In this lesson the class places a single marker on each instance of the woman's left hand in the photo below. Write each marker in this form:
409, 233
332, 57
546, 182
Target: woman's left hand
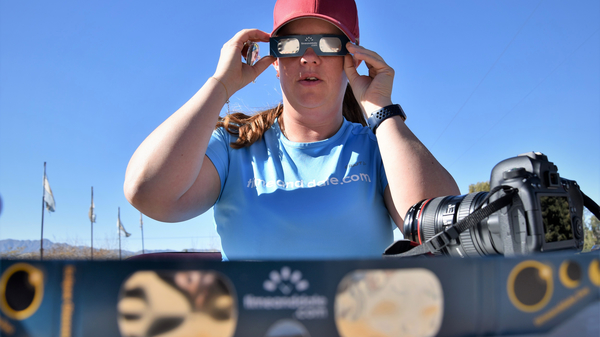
372, 91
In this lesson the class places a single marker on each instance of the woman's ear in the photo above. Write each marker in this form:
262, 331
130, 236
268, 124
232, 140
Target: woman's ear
276, 66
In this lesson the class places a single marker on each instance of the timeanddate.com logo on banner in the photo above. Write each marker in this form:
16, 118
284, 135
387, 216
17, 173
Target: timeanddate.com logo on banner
288, 290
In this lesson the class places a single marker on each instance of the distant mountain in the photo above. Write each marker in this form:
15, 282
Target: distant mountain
28, 246
33, 246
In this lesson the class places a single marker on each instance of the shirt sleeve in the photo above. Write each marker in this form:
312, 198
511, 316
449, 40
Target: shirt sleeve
218, 153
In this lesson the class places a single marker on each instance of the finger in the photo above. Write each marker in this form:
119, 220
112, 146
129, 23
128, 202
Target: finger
254, 35
354, 49
242, 40
357, 82
236, 44
350, 69
261, 65
370, 57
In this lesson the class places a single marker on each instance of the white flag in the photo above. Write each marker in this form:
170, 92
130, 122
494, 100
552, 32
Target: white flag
48, 197
91, 213
121, 228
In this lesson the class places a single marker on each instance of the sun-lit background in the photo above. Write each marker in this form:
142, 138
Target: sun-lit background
83, 83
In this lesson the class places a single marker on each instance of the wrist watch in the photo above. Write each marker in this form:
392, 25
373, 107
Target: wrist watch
384, 113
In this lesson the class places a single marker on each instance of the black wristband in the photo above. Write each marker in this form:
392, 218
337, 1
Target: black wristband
384, 113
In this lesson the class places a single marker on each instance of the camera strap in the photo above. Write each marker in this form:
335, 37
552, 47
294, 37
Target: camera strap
443, 239
591, 205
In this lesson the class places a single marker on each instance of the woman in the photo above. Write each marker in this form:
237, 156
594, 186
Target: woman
301, 180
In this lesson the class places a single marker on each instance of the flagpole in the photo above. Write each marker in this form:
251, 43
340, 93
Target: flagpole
142, 228
43, 200
119, 230
92, 224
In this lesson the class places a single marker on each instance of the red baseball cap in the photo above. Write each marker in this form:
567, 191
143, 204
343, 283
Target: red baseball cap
341, 13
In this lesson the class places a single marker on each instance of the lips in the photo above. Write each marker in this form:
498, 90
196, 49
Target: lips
310, 79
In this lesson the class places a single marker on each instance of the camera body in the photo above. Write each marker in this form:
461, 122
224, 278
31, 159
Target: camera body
545, 215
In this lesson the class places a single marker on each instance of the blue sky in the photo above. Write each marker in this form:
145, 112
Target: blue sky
83, 83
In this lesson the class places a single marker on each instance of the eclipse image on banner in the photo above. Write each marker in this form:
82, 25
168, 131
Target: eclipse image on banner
530, 285
389, 302
21, 291
177, 303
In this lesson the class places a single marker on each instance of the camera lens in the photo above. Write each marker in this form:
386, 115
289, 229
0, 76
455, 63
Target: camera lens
432, 216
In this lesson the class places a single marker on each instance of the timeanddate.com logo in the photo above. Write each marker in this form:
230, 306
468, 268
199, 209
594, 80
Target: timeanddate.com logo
361, 177
289, 293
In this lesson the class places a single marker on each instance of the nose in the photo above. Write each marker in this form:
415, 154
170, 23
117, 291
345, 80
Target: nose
310, 57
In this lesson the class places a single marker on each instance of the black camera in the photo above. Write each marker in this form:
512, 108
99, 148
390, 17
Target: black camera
544, 213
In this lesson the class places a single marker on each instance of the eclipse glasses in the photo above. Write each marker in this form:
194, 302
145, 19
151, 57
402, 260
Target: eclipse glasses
296, 45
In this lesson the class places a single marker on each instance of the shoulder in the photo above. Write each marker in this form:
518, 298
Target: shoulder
220, 132
223, 135
357, 130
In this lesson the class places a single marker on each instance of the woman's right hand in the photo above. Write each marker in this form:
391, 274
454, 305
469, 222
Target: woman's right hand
234, 73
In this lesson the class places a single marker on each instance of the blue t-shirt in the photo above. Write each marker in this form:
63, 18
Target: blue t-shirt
285, 200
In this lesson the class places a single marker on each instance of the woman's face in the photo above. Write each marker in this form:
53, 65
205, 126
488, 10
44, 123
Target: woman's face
311, 81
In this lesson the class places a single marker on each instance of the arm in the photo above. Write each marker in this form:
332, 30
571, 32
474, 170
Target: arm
169, 177
413, 172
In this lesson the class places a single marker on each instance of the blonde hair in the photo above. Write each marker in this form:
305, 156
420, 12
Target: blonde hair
250, 128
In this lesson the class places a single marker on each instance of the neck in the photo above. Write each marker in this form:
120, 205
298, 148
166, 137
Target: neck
310, 125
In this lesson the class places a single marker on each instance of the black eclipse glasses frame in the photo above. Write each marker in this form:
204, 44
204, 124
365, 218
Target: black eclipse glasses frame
296, 45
